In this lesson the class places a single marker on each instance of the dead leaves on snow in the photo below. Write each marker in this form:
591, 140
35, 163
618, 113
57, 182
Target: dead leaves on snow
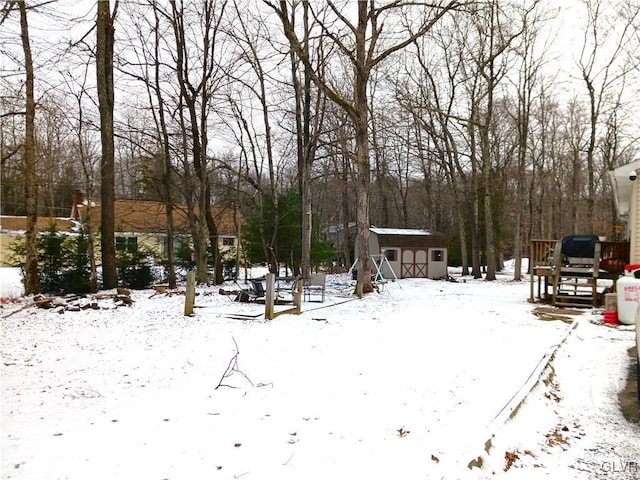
553, 396
561, 435
510, 458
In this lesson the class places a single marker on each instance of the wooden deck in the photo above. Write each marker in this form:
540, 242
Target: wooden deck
580, 284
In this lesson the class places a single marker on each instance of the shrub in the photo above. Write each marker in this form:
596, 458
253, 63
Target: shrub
135, 269
63, 261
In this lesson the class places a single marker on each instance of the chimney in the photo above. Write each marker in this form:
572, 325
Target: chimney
78, 199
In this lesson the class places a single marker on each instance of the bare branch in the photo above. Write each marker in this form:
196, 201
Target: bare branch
232, 368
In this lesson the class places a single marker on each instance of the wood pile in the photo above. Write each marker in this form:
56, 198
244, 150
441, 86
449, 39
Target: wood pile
77, 303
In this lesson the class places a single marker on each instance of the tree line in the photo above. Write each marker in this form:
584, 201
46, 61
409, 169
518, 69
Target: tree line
481, 120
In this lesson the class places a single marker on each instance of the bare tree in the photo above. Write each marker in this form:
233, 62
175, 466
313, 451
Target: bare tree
333, 182
600, 70
432, 95
495, 33
146, 40
32, 281
307, 129
104, 71
528, 75
199, 76
251, 72
364, 47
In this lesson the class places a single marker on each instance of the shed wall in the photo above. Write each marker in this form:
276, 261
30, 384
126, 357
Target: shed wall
413, 255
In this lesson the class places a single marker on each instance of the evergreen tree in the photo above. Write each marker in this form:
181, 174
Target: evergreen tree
289, 234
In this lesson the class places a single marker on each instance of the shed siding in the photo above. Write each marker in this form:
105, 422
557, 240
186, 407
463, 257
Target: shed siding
438, 268
374, 243
412, 253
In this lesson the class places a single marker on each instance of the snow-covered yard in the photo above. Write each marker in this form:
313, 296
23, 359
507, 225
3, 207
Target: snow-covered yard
415, 382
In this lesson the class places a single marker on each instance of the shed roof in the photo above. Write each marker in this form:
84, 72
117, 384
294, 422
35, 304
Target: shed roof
399, 231
409, 238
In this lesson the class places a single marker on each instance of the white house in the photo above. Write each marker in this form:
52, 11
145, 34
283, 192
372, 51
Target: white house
411, 253
626, 188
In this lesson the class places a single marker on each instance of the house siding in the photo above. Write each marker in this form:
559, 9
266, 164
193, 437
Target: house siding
143, 219
634, 226
13, 228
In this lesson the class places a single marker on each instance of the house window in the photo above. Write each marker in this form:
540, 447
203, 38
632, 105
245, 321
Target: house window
127, 244
228, 241
437, 255
180, 244
391, 255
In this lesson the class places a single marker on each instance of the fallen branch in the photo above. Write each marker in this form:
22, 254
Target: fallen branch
232, 368
16, 311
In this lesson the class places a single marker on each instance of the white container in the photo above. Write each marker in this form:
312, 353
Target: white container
628, 290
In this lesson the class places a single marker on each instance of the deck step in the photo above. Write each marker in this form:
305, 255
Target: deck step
575, 291
565, 300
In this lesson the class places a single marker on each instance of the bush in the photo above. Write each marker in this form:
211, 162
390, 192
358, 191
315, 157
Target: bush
76, 275
74, 283
63, 261
134, 269
53, 251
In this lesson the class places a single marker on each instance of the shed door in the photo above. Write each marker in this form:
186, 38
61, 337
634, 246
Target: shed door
414, 263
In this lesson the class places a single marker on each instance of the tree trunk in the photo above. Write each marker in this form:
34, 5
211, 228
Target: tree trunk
485, 149
167, 168
462, 232
472, 201
32, 281
363, 180
104, 70
346, 213
304, 143
218, 278
524, 113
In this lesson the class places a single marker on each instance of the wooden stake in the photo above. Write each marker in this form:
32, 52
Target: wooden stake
270, 296
297, 297
190, 295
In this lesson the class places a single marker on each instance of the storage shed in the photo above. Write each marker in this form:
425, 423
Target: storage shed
411, 253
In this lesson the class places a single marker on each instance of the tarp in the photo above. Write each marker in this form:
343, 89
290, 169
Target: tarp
581, 246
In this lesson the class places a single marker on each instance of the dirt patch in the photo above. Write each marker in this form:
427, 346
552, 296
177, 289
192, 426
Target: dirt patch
566, 315
628, 397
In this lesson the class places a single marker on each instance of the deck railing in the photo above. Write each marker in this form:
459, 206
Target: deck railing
542, 254
613, 255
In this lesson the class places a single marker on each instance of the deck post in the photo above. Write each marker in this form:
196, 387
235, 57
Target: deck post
532, 266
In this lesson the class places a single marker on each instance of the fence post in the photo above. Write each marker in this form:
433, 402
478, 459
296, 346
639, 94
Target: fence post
297, 296
190, 294
270, 296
